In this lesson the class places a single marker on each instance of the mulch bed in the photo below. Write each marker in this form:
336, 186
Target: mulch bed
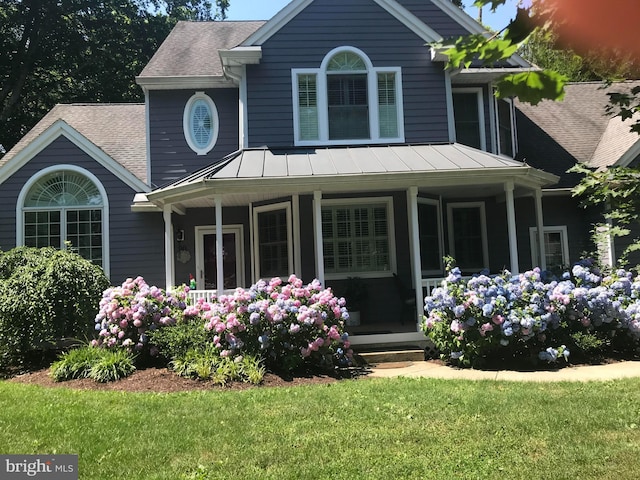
162, 380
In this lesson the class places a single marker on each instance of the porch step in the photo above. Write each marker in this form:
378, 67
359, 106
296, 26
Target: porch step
391, 356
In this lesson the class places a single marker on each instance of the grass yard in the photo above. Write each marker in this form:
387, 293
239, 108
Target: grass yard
361, 429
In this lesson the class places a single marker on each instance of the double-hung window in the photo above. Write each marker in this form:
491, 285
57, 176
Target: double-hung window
468, 116
347, 101
468, 235
506, 127
556, 246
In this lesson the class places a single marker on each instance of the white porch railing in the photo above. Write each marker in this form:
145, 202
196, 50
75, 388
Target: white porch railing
207, 295
428, 284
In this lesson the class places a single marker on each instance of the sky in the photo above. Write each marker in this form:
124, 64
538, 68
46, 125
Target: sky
265, 9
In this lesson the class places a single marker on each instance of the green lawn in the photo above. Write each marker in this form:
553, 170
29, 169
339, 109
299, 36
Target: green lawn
361, 429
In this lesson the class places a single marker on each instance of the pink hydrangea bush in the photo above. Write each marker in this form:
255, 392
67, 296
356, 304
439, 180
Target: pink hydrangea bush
288, 323
127, 313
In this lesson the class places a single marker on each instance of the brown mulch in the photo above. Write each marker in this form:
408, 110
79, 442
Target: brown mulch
162, 380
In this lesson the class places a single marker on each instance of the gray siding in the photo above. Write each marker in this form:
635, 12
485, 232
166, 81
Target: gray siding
136, 239
434, 18
323, 26
171, 157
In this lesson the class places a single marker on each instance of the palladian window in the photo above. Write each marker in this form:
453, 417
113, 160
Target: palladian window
65, 209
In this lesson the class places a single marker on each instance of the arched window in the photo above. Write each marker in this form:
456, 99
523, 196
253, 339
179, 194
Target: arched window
200, 123
64, 207
347, 101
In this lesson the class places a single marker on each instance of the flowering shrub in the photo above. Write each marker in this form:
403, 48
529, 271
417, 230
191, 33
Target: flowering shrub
128, 312
469, 321
288, 324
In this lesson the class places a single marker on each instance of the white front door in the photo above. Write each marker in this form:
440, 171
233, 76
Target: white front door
232, 257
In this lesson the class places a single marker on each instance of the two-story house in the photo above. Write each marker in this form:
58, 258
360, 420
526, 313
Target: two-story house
329, 142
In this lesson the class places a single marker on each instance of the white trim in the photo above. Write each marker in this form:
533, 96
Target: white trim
186, 123
243, 108
410, 21
367, 201
511, 226
483, 229
62, 128
481, 120
564, 241
194, 82
440, 233
629, 156
201, 231
451, 123
414, 247
285, 15
317, 236
106, 258
297, 243
147, 124
322, 101
493, 127
537, 198
278, 21
512, 124
256, 231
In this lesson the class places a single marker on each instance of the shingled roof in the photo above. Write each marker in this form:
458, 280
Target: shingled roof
191, 49
579, 124
117, 129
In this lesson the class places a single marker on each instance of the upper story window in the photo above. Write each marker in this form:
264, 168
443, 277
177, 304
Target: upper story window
200, 123
347, 101
468, 113
506, 127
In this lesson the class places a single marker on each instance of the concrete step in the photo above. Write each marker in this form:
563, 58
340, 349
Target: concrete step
391, 356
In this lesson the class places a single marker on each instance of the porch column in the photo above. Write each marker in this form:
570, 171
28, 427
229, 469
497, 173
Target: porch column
297, 254
511, 227
542, 263
168, 248
219, 252
317, 224
414, 248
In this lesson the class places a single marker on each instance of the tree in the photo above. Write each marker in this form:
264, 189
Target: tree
602, 37
80, 51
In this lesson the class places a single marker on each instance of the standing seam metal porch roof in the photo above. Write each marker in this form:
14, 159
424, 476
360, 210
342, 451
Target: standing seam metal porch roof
327, 162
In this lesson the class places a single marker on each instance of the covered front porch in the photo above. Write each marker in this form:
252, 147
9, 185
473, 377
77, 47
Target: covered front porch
386, 215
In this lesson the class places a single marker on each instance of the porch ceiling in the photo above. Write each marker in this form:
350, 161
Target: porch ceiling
254, 175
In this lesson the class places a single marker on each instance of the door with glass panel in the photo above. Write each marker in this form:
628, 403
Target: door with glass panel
232, 257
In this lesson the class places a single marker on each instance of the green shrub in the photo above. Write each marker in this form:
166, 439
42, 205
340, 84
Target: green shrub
45, 295
207, 364
112, 365
99, 364
75, 363
176, 341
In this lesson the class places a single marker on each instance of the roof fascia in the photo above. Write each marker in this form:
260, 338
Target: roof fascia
630, 155
184, 83
278, 21
62, 128
524, 176
472, 26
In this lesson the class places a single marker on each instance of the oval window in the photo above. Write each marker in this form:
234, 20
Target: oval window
201, 123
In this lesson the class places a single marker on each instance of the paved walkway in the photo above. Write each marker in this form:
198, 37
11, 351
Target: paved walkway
568, 374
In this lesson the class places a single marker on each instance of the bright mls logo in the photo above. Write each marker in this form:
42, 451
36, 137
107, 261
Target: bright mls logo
50, 467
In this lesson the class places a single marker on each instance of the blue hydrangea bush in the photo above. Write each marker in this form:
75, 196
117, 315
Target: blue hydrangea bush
510, 316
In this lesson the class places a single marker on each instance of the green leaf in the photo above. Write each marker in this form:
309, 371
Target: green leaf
532, 87
520, 28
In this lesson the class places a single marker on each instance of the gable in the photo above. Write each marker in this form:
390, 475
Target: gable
49, 136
